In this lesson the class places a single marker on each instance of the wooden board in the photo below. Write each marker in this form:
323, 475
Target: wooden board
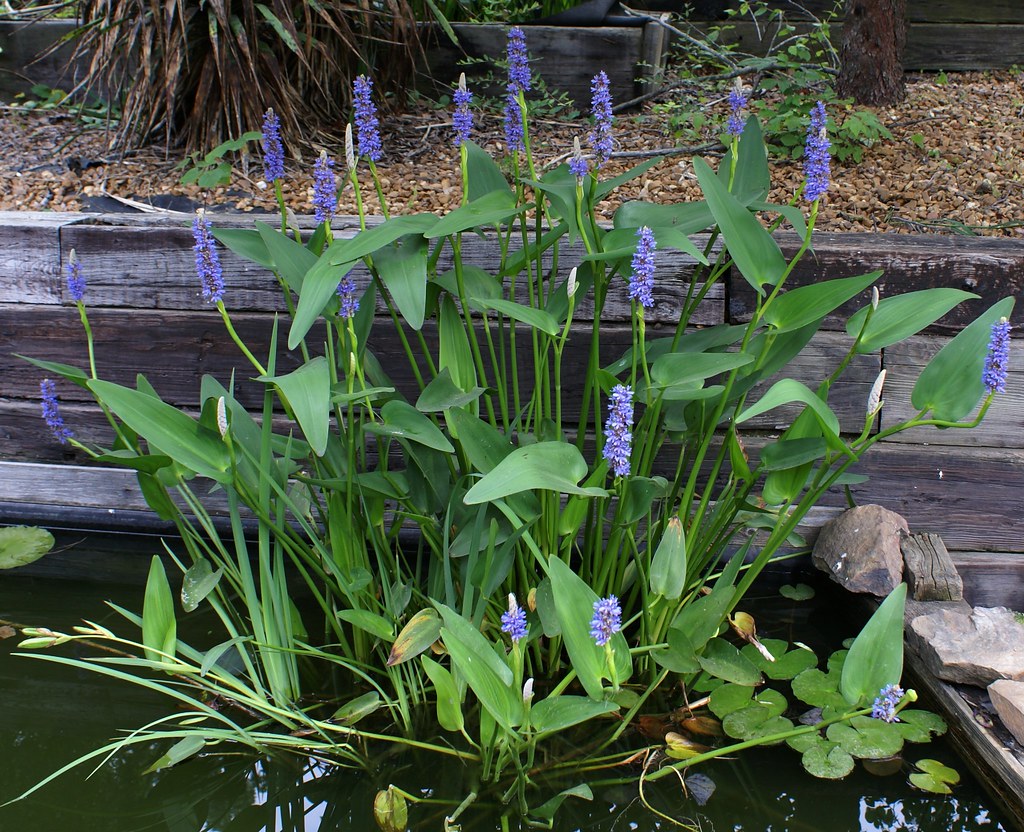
991, 579
927, 11
30, 264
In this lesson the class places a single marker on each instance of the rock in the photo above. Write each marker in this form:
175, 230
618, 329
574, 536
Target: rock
975, 649
1008, 700
860, 549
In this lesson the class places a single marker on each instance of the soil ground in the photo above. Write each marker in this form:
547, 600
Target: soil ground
955, 163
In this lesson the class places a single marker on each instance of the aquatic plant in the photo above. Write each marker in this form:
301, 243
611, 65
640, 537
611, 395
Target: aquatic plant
568, 564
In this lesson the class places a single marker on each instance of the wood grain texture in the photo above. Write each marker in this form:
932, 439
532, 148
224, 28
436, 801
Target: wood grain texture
991, 579
929, 570
30, 265
918, 11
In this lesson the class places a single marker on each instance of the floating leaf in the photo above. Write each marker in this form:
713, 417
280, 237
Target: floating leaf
729, 698
21, 545
390, 810
362, 706
556, 713
700, 787
867, 738
920, 726
827, 760
799, 592
819, 689
723, 660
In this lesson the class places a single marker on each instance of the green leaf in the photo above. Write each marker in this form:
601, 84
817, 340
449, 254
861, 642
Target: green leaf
21, 545
367, 242
574, 605
753, 250
819, 689
181, 750
681, 368
783, 454
442, 393
369, 622
807, 304
556, 713
668, 567
308, 391
454, 351
483, 174
173, 432
356, 709
490, 209
939, 771
951, 385
159, 629
282, 32
827, 760
446, 695
866, 738
422, 630
787, 391
291, 259
701, 620
920, 726
403, 421
199, 581
756, 717
722, 660
65, 371
546, 811
548, 466
787, 665
536, 318
685, 217
246, 243
928, 783
901, 316
679, 656
752, 179
319, 287
876, 655
729, 698
403, 269
799, 592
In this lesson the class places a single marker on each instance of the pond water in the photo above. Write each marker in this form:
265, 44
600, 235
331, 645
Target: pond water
51, 714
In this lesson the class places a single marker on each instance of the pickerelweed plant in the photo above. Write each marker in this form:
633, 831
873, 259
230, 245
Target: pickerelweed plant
538, 520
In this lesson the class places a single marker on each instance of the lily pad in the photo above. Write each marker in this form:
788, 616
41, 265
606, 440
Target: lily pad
819, 689
827, 760
799, 592
21, 545
919, 726
867, 738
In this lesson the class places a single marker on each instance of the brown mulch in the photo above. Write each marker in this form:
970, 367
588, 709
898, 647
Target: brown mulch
955, 163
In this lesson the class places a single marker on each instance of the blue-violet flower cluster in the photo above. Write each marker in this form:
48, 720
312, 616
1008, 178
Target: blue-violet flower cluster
600, 137
518, 61
211, 276
325, 189
347, 295
462, 120
997, 362
885, 704
737, 104
513, 622
367, 126
817, 162
51, 411
607, 620
76, 281
618, 440
273, 150
641, 281
578, 165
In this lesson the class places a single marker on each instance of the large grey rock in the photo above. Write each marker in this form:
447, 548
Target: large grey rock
1008, 700
860, 549
972, 649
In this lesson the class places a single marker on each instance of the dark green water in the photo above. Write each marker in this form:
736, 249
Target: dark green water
51, 714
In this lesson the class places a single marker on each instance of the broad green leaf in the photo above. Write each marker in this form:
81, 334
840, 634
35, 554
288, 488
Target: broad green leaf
722, 660
752, 179
807, 304
308, 392
483, 444
641, 494
574, 606
827, 760
939, 771
199, 581
685, 217
783, 454
951, 385
787, 391
700, 620
750, 720
422, 630
356, 709
556, 713
819, 689
180, 751
490, 209
668, 567
21, 545
798, 592
753, 250
901, 316
536, 318
920, 726
679, 656
483, 174
929, 783
875, 658
476, 282
442, 393
446, 695
454, 351
372, 239
65, 371
291, 259
175, 433
246, 243
403, 269
787, 664
729, 698
546, 811
678, 368
319, 287
401, 420
547, 466
369, 622
866, 738
159, 628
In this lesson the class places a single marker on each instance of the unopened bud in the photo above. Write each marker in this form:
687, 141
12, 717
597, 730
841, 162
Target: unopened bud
462, 81
222, 418
875, 396
571, 285
874, 297
350, 151
528, 691
352, 363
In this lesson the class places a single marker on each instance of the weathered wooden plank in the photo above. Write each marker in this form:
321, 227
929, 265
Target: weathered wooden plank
1003, 425
929, 570
992, 268
918, 11
991, 579
30, 268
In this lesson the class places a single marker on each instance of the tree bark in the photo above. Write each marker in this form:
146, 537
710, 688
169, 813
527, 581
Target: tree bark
874, 37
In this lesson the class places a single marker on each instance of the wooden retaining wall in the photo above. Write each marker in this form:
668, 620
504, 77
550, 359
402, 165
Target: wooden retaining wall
146, 313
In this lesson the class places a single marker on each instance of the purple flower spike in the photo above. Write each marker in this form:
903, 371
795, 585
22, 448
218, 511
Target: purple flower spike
325, 189
618, 442
600, 137
273, 150
367, 126
347, 295
513, 622
51, 411
578, 165
997, 362
885, 704
211, 276
641, 282
816, 157
76, 282
513, 122
518, 61
462, 120
607, 620
737, 104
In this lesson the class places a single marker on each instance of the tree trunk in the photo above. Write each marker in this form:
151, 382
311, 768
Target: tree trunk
874, 36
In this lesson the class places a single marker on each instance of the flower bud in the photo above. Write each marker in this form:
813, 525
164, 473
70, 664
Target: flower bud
528, 691
350, 151
875, 396
571, 285
874, 297
222, 418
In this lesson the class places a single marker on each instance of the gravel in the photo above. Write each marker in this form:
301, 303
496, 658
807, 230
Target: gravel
955, 164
